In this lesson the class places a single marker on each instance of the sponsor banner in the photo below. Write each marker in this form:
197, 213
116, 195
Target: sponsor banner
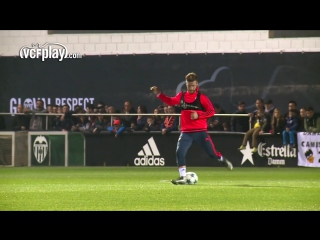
153, 149
149, 155
31, 102
308, 149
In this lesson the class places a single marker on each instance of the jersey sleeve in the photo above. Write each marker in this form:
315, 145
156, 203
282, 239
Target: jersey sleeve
171, 101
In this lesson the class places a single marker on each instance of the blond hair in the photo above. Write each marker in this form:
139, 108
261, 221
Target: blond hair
276, 120
190, 77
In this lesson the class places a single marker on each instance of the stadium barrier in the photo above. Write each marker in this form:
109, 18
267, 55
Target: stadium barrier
7, 148
55, 148
42, 148
142, 149
18, 148
148, 149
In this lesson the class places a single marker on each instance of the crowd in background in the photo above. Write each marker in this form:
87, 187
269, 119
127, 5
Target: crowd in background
266, 118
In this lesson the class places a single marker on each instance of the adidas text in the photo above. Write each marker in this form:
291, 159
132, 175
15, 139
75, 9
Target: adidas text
151, 161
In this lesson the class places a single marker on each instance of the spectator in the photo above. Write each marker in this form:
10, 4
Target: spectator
152, 124
111, 109
216, 122
55, 109
78, 109
161, 108
52, 109
100, 105
157, 118
117, 128
165, 111
82, 125
312, 121
92, 124
253, 115
20, 122
226, 126
277, 122
89, 110
269, 107
49, 108
290, 129
129, 109
38, 122
53, 119
141, 119
59, 110
301, 117
240, 124
66, 120
73, 119
259, 128
293, 106
102, 122
170, 122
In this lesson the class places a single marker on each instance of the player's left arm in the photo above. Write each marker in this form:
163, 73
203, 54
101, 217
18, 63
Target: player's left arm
209, 110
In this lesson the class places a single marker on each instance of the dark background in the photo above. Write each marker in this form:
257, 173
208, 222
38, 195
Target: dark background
115, 79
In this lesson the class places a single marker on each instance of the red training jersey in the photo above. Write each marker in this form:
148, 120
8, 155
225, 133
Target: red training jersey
187, 124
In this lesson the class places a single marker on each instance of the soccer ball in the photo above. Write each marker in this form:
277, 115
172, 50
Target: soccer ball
191, 178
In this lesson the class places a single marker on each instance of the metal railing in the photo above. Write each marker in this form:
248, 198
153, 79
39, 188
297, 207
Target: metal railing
120, 114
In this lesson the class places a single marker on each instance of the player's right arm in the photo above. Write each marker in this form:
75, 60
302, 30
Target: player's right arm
166, 99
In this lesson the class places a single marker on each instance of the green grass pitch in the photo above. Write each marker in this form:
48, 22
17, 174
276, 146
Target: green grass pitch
149, 189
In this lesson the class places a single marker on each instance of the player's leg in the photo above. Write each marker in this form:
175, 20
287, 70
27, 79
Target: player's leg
183, 144
205, 141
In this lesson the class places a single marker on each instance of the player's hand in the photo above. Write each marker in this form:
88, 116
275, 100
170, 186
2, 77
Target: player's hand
194, 115
155, 89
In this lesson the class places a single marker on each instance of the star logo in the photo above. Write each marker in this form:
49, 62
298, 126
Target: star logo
247, 154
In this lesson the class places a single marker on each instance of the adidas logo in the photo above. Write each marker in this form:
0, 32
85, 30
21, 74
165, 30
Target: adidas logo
147, 155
